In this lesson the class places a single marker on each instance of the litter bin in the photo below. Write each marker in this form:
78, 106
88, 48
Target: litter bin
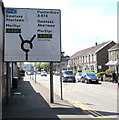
14, 82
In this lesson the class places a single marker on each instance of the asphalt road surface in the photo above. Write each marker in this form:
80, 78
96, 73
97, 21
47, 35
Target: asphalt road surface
99, 100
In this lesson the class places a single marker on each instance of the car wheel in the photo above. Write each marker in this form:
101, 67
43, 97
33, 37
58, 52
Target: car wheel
64, 80
86, 81
97, 82
81, 80
74, 81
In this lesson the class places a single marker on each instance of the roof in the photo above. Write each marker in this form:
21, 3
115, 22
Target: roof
92, 49
115, 47
112, 63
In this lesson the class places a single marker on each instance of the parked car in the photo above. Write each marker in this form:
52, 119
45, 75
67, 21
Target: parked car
30, 73
43, 73
57, 73
38, 72
89, 77
67, 75
78, 77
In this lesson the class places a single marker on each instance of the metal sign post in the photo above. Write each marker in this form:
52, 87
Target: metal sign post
51, 83
7, 82
61, 81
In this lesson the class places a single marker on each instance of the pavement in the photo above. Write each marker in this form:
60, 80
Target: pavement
30, 101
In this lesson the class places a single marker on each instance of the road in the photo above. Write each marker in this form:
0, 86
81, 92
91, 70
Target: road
99, 100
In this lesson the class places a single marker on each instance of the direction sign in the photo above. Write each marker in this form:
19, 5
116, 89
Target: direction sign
32, 34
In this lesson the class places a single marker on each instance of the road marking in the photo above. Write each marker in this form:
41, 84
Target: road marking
90, 110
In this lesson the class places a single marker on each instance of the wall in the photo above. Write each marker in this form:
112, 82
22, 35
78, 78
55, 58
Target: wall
1, 55
102, 57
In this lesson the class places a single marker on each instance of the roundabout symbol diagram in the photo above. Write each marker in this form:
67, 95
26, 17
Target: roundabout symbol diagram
25, 43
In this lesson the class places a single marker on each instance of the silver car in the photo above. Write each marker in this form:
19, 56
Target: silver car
68, 75
43, 73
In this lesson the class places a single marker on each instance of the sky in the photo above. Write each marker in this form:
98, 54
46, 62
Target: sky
83, 22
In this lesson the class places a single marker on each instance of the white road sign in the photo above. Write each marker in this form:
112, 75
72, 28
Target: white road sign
32, 34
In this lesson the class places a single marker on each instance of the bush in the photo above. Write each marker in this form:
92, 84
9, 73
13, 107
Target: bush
108, 71
100, 74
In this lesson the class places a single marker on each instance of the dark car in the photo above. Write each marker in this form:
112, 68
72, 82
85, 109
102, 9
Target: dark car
89, 77
68, 75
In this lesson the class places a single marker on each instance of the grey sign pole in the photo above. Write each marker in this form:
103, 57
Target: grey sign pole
35, 76
61, 81
51, 83
7, 82
35, 72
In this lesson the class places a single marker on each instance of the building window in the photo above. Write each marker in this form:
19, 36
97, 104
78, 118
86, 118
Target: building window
109, 56
117, 54
86, 59
89, 58
92, 58
92, 67
83, 59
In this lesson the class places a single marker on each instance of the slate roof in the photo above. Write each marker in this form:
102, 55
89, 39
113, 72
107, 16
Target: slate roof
115, 47
92, 49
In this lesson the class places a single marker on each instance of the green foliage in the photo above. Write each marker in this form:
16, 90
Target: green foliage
89, 71
108, 71
43, 65
37, 65
100, 74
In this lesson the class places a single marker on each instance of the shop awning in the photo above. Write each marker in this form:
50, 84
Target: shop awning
112, 63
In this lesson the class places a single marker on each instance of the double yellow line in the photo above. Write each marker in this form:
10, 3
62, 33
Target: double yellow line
90, 110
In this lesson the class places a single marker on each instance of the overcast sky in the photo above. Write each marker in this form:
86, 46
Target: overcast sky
83, 22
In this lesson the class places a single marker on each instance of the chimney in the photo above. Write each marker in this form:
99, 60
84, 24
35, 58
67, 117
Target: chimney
96, 43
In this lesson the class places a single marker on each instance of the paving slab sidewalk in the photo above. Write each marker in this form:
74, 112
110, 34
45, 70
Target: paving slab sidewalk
31, 101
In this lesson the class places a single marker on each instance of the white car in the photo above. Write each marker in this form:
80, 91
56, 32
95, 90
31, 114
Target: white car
78, 77
43, 73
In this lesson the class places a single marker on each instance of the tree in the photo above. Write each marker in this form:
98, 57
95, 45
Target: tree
45, 66
37, 66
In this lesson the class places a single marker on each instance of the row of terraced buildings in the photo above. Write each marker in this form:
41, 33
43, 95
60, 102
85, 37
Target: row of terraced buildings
98, 58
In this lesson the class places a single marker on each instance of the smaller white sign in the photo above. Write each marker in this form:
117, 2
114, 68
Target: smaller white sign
32, 34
